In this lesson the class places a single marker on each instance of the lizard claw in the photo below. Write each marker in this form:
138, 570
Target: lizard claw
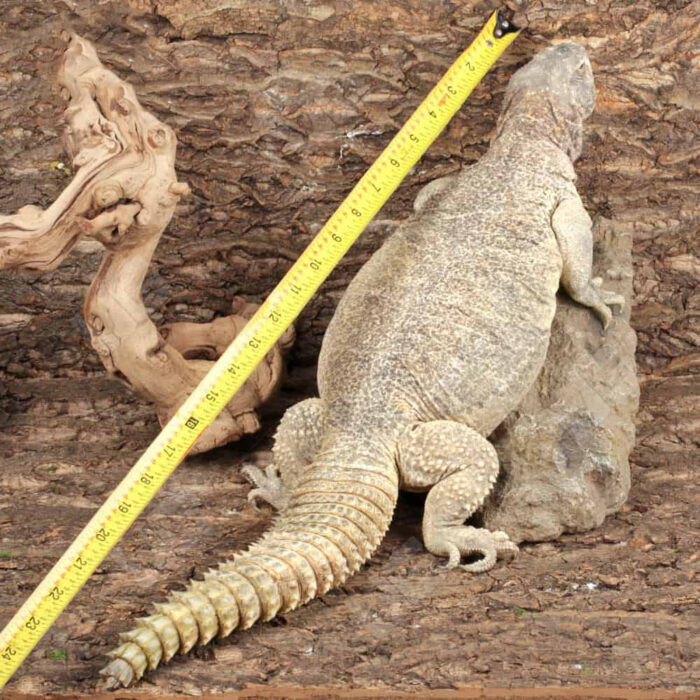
603, 299
612, 299
602, 309
604, 314
269, 486
454, 542
608, 297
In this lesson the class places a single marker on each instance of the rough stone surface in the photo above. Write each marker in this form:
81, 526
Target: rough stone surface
565, 452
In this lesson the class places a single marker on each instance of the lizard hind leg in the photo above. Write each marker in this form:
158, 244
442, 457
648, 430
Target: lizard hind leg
459, 466
296, 442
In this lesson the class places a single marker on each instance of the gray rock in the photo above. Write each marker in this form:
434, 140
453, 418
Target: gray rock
564, 453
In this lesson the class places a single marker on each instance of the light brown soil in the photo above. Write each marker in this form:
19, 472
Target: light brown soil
264, 693
616, 607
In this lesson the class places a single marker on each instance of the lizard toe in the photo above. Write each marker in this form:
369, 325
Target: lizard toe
613, 299
604, 314
456, 542
269, 486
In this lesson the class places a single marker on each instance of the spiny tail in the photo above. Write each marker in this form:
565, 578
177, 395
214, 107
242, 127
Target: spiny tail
335, 521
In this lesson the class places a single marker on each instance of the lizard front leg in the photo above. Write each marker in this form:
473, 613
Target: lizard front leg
572, 227
461, 467
432, 189
296, 442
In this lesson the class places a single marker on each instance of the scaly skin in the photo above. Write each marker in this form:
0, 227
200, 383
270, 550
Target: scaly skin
436, 340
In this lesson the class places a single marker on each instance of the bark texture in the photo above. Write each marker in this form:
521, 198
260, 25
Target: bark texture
278, 107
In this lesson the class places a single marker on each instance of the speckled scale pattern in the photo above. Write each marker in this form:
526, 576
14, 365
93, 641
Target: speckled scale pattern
435, 341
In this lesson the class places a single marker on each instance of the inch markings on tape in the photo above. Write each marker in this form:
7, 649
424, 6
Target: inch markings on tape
229, 373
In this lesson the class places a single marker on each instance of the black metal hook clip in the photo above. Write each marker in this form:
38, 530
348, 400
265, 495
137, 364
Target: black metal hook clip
503, 25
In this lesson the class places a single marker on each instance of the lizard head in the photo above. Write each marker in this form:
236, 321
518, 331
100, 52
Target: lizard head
556, 86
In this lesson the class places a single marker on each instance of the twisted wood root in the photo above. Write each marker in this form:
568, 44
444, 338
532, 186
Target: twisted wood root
123, 194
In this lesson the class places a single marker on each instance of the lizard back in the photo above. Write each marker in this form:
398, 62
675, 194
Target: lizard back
450, 318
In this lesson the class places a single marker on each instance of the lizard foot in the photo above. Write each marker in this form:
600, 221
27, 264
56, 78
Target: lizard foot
600, 299
269, 486
609, 298
456, 541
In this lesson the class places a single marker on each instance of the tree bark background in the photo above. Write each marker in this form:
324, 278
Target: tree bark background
278, 107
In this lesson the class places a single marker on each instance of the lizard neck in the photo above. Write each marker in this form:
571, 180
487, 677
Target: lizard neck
535, 121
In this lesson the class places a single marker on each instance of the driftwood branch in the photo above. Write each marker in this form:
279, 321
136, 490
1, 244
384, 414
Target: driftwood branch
123, 195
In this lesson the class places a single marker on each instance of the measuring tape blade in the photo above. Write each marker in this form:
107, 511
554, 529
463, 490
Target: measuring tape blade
260, 334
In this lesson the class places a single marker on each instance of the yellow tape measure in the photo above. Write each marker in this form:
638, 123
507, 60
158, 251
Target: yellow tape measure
229, 373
